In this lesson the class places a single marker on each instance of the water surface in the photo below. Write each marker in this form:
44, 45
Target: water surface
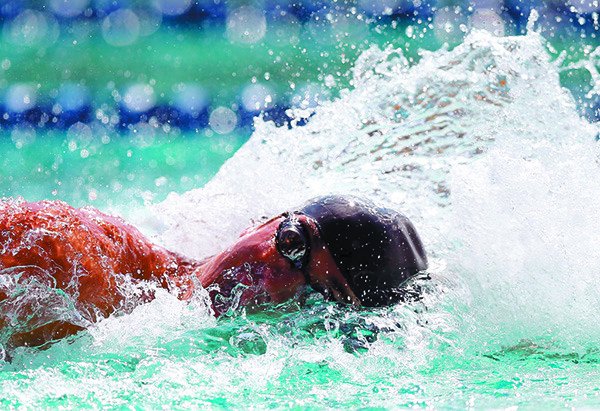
485, 151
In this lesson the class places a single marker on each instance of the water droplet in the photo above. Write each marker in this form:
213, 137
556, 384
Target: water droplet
246, 25
223, 120
121, 27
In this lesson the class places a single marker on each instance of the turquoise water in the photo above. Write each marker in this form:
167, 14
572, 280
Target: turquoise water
480, 146
106, 168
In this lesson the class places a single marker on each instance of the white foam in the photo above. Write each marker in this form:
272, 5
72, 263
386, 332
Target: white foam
480, 146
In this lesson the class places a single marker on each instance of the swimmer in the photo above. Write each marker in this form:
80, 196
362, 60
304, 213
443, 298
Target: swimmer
56, 260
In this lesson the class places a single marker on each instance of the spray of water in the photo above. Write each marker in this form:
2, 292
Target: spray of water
481, 147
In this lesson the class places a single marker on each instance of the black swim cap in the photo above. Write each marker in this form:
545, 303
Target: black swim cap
376, 249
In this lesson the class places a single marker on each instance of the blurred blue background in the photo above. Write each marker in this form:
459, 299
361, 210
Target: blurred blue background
214, 65
115, 102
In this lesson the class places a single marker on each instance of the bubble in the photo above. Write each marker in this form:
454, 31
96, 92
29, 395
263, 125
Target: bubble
150, 19
447, 25
142, 135
80, 134
20, 97
223, 120
172, 7
139, 98
31, 28
487, 20
121, 27
191, 99
72, 97
23, 135
68, 8
257, 97
246, 25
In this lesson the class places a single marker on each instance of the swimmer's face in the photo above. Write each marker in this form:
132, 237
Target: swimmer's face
274, 263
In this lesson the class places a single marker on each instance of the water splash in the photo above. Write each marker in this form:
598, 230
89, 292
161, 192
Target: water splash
485, 151
480, 146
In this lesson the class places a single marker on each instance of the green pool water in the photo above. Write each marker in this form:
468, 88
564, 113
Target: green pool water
109, 169
299, 360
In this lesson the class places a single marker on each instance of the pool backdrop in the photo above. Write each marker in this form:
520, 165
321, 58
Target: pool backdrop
196, 119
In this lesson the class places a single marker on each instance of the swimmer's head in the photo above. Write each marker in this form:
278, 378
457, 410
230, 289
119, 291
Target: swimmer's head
342, 246
375, 249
